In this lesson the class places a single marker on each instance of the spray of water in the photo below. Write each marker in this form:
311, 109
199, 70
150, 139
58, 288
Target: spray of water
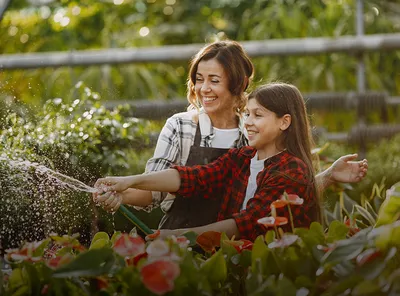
61, 179
36, 201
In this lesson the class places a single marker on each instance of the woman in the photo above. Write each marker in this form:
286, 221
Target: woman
249, 179
219, 75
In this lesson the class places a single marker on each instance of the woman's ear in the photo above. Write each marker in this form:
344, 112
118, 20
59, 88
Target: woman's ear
286, 121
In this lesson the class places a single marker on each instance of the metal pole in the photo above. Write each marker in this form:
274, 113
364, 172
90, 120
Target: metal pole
361, 85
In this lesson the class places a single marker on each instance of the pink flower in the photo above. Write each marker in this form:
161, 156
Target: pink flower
286, 241
127, 245
159, 276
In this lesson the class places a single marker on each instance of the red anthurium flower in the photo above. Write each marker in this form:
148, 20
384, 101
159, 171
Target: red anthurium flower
367, 256
56, 262
153, 235
159, 276
285, 241
279, 204
44, 290
102, 283
272, 221
293, 199
133, 261
127, 245
352, 225
240, 245
209, 240
182, 241
25, 253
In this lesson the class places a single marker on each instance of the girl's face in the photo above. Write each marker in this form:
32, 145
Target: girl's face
212, 90
264, 129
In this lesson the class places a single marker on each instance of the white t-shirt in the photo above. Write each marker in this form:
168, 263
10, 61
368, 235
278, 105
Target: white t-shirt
224, 138
256, 166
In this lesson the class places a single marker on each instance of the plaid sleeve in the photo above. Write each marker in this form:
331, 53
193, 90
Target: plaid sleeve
290, 179
199, 178
166, 154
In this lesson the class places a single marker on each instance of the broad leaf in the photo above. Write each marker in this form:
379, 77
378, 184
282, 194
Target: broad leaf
91, 263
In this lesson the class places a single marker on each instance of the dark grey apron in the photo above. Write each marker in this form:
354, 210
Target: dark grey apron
195, 210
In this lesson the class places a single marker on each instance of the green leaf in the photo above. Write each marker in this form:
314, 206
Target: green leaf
215, 268
100, 235
100, 243
285, 286
17, 278
344, 252
115, 236
390, 209
191, 237
270, 236
40, 249
259, 255
91, 263
366, 288
365, 214
337, 231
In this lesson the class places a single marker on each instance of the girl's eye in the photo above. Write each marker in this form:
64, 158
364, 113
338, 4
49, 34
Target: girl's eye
215, 81
258, 115
199, 79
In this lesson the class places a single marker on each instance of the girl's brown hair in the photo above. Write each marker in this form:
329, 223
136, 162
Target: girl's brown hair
283, 98
237, 66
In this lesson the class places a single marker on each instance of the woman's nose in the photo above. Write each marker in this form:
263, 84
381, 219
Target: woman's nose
205, 87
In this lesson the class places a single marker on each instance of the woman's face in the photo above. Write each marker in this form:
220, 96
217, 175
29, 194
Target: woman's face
211, 88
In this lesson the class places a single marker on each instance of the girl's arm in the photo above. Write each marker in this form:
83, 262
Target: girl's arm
166, 180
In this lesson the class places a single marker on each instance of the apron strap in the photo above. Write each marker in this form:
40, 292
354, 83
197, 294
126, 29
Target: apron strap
197, 137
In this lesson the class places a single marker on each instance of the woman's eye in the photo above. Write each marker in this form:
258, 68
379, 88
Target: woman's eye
215, 81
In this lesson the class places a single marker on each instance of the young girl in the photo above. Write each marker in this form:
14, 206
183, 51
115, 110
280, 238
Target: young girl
249, 178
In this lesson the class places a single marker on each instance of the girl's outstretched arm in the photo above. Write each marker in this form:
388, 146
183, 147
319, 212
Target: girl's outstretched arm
166, 181
228, 226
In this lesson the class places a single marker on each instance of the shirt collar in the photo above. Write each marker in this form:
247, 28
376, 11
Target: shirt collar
207, 130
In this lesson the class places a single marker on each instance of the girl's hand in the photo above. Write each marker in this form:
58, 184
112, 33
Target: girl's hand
110, 201
347, 170
117, 184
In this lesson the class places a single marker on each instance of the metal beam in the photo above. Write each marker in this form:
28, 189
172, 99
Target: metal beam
161, 109
170, 53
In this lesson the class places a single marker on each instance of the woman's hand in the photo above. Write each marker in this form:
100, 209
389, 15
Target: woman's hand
346, 170
117, 184
110, 201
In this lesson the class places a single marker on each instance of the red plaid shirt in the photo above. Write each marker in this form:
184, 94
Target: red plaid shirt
229, 174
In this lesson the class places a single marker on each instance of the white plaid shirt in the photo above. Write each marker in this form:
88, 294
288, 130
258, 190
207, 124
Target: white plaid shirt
173, 146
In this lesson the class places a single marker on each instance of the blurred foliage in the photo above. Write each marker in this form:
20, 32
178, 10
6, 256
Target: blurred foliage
68, 25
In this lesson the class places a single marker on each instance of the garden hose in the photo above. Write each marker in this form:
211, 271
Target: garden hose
135, 220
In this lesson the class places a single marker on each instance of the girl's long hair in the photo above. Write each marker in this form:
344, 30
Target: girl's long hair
283, 98
237, 66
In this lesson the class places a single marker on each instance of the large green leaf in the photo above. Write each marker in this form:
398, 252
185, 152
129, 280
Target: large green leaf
337, 231
91, 263
215, 268
390, 209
